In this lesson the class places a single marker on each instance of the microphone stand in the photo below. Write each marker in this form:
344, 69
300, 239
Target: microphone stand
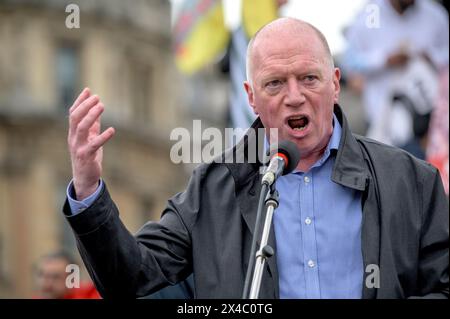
265, 251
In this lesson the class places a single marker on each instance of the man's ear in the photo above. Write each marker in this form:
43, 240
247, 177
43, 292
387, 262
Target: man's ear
337, 85
250, 96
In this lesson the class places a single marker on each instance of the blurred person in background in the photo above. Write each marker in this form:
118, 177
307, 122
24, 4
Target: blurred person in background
51, 275
437, 152
396, 49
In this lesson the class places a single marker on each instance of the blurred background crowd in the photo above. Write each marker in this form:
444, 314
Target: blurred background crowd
160, 64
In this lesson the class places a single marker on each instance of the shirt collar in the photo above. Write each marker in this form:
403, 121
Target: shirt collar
336, 136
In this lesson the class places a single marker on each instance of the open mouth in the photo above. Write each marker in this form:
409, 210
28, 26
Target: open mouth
298, 123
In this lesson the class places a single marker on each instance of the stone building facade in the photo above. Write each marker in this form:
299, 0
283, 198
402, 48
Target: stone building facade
122, 51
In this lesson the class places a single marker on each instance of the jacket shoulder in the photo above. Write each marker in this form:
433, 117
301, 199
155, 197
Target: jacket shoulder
383, 154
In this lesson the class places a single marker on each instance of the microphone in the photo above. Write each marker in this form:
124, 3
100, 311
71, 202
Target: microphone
284, 158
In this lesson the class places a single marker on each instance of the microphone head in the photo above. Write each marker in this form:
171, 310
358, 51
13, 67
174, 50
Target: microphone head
290, 151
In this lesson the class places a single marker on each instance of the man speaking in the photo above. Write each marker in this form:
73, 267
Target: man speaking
356, 218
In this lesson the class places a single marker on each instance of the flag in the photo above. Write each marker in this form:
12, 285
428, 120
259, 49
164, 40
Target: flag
200, 34
257, 13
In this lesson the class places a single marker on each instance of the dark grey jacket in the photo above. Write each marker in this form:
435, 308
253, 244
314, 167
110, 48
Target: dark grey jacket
208, 228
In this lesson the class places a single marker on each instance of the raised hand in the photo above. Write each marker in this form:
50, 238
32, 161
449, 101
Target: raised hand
85, 142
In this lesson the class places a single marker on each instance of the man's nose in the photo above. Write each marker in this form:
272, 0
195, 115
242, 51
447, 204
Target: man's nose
295, 95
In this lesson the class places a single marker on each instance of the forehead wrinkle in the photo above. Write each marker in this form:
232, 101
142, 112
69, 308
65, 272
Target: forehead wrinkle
297, 50
269, 67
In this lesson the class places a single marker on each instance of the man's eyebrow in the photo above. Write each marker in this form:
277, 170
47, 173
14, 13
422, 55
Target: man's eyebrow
280, 74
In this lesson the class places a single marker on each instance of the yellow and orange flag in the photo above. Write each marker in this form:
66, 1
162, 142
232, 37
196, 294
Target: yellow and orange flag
200, 34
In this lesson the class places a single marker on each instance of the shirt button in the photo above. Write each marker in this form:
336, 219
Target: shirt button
308, 221
306, 179
311, 263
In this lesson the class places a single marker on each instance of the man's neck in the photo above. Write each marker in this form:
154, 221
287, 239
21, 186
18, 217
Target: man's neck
307, 162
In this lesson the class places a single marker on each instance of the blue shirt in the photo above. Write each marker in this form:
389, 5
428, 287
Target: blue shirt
317, 229
318, 232
77, 206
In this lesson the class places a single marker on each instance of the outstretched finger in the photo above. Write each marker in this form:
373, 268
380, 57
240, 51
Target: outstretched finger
83, 96
85, 125
80, 112
100, 140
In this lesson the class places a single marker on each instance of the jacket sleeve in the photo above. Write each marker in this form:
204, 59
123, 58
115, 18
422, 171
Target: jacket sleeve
434, 257
127, 266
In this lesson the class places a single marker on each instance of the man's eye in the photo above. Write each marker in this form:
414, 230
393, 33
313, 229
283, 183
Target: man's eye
273, 84
310, 78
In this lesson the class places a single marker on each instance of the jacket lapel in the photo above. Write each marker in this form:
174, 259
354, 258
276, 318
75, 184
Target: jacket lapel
246, 176
352, 169
349, 168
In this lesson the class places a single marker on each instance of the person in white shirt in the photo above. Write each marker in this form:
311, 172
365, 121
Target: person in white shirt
396, 46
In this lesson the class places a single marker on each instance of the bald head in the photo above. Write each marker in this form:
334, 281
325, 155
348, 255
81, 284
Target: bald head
286, 29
